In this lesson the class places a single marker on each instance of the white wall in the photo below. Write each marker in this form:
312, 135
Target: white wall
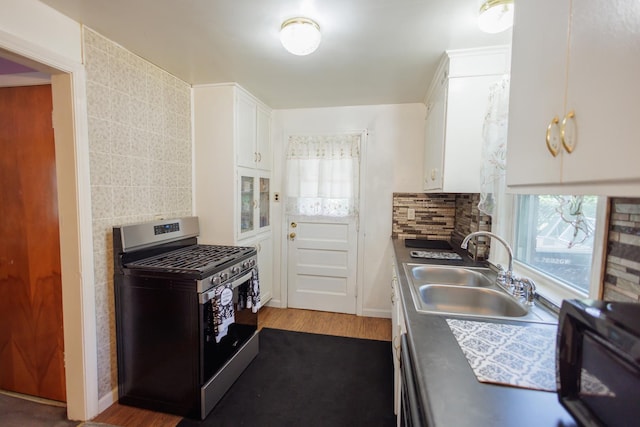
37, 23
393, 163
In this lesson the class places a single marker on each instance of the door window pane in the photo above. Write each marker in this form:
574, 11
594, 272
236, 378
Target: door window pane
555, 234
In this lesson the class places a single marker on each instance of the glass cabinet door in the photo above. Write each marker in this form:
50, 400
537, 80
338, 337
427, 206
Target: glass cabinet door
247, 184
263, 202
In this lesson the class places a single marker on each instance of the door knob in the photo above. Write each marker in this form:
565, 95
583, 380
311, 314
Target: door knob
292, 236
294, 225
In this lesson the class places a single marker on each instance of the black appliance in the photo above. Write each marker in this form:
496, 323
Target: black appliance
411, 410
186, 316
598, 361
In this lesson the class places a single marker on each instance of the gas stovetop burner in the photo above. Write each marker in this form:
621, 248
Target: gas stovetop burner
192, 259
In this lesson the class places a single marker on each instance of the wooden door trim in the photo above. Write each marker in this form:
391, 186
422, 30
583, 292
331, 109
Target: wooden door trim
74, 196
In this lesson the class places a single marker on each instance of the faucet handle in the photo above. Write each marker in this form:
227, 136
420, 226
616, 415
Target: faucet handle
529, 290
504, 277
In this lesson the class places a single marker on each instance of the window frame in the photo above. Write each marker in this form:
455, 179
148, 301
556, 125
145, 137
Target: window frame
548, 287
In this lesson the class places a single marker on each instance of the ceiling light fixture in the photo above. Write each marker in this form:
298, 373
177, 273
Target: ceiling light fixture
300, 36
495, 16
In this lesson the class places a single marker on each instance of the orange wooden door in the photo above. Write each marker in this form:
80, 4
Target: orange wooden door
31, 338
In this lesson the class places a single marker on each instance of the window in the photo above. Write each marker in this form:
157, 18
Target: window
556, 236
323, 175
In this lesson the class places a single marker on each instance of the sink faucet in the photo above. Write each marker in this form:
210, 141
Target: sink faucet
521, 288
465, 243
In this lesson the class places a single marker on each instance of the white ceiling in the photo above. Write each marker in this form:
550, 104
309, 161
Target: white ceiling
372, 51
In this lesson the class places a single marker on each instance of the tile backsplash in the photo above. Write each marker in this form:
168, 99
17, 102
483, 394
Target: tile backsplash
622, 269
139, 123
441, 216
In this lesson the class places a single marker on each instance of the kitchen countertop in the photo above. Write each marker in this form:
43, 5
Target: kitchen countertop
449, 391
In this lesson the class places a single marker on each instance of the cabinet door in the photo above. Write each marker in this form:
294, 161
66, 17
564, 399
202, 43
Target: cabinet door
467, 101
263, 137
247, 191
603, 90
246, 131
264, 201
538, 67
264, 245
434, 138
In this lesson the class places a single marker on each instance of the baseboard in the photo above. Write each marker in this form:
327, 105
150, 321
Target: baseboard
368, 312
276, 303
107, 400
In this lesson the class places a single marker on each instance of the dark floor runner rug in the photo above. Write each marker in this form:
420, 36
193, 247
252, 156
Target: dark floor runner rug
309, 380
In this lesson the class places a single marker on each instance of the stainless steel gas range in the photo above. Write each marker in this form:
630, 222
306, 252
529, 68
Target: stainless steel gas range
186, 316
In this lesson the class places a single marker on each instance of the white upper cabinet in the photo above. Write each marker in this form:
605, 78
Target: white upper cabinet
253, 132
457, 103
246, 127
263, 138
574, 111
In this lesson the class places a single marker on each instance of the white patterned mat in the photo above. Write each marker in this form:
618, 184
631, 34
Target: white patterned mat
515, 355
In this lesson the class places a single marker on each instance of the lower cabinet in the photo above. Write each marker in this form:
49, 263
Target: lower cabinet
398, 329
264, 245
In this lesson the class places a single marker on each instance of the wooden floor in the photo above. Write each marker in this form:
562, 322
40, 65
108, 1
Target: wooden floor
318, 322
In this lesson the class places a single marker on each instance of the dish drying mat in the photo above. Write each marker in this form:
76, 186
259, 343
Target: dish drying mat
515, 355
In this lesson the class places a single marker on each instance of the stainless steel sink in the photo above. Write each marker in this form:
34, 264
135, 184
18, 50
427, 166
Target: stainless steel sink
465, 300
467, 291
445, 275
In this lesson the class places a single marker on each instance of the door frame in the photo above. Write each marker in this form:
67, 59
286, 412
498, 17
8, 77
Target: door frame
284, 267
68, 85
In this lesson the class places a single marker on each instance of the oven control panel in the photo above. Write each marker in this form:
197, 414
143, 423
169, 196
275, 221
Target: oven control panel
228, 274
166, 228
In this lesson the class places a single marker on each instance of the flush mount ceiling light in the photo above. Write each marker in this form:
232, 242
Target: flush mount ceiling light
495, 16
300, 36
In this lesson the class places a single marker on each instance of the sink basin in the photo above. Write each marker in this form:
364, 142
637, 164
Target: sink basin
467, 291
466, 300
443, 275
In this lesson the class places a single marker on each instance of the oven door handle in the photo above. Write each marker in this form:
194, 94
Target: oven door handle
208, 296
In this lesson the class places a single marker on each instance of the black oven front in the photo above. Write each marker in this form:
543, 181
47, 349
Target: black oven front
227, 321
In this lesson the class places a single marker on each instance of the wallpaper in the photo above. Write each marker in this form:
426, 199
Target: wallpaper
140, 163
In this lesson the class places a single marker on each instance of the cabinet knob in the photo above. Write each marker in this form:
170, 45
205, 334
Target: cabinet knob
553, 143
568, 132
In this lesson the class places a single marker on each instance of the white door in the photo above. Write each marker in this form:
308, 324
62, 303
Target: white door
323, 185
322, 265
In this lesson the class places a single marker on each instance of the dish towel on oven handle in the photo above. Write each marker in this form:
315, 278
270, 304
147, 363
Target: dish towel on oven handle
223, 314
253, 297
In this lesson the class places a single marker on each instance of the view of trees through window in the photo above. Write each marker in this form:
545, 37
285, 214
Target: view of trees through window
555, 234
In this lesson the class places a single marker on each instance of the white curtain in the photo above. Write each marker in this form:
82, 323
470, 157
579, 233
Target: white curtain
323, 175
494, 148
